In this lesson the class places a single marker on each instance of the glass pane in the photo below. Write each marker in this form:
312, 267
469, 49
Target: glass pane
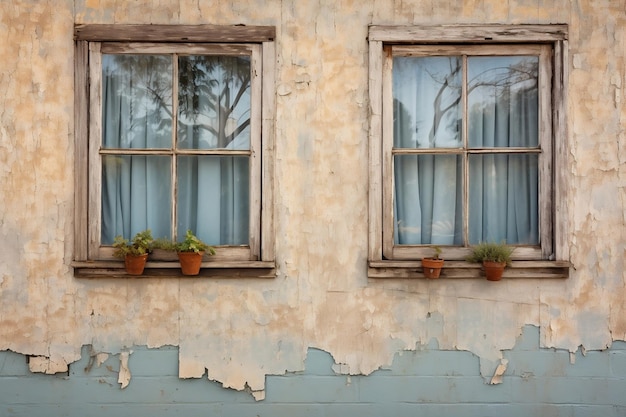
136, 195
214, 102
428, 200
136, 101
503, 199
214, 198
426, 102
503, 102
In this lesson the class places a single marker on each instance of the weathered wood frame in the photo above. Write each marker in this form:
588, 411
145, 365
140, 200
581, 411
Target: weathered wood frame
550, 43
257, 42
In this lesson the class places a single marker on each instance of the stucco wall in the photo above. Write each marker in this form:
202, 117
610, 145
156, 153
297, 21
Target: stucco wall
241, 330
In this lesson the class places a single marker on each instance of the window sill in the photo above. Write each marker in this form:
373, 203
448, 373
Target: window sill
212, 269
468, 270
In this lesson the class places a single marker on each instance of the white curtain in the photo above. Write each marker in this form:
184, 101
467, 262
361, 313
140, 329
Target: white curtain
503, 189
212, 191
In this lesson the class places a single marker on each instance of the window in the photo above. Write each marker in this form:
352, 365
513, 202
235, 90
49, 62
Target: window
466, 144
174, 132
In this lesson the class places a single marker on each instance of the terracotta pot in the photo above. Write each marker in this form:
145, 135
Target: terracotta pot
190, 262
135, 264
432, 267
494, 270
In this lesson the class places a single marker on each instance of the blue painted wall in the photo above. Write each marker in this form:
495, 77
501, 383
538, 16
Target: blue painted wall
428, 382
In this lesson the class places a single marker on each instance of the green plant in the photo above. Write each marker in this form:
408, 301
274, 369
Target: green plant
193, 244
491, 251
164, 243
140, 245
437, 251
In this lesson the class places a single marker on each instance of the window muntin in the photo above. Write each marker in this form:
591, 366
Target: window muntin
197, 175
463, 118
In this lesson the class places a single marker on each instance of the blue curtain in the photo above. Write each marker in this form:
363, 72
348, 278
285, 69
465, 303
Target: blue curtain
212, 191
502, 111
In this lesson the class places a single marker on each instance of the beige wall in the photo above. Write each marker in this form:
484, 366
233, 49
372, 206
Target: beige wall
243, 329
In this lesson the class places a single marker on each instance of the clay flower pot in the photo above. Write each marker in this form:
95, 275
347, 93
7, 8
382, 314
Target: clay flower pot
494, 270
190, 262
432, 267
135, 264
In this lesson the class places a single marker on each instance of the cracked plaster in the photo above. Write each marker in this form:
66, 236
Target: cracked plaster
239, 331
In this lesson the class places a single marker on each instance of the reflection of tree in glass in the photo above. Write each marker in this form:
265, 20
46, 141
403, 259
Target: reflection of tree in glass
521, 73
137, 99
214, 97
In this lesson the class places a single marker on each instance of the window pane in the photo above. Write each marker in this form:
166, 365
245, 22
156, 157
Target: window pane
214, 102
503, 199
136, 195
503, 101
427, 95
214, 198
136, 101
428, 200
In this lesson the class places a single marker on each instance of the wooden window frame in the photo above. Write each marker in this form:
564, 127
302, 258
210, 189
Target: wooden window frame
387, 261
92, 260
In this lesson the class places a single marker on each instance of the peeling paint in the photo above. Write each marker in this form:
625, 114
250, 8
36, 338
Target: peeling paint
500, 370
124, 375
46, 365
236, 332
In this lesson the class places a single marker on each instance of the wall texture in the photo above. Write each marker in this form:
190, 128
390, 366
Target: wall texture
424, 382
238, 331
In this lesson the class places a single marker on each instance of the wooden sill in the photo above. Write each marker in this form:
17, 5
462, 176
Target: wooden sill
213, 269
467, 270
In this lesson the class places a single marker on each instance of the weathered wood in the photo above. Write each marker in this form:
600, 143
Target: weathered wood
173, 33
468, 33
261, 108
95, 140
225, 273
537, 40
460, 151
471, 265
268, 175
413, 252
212, 264
375, 251
467, 270
156, 151
387, 156
256, 108
172, 48
546, 169
474, 50
561, 151
81, 145
227, 254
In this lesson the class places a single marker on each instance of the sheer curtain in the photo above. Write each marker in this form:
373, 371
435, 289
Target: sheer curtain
135, 188
502, 112
214, 113
212, 190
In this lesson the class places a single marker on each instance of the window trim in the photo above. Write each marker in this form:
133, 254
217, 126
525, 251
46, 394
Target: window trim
381, 38
262, 245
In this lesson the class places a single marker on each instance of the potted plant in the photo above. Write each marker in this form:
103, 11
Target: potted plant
494, 257
432, 266
135, 253
190, 253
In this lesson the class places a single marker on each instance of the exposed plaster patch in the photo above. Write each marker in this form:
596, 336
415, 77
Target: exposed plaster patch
499, 372
124, 375
46, 365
